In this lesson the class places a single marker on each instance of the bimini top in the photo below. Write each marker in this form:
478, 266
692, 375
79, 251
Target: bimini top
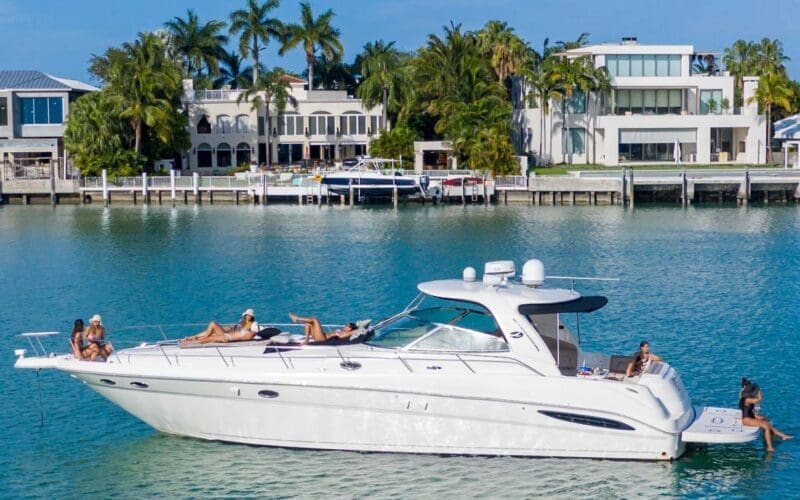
511, 293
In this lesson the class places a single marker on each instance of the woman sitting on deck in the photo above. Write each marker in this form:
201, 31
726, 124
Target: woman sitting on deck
314, 331
79, 350
245, 329
95, 334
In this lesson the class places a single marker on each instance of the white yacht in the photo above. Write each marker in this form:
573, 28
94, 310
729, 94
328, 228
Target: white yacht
367, 179
472, 366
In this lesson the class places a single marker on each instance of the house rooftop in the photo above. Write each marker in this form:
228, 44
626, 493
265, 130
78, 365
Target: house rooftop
36, 80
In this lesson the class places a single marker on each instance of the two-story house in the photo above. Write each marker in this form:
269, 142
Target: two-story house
656, 100
33, 111
318, 126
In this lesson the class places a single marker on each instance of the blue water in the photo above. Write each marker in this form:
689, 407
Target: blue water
714, 289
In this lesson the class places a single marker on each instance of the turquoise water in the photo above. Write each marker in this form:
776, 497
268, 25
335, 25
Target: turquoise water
714, 290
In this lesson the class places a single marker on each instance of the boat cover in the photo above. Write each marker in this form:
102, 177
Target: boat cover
718, 425
582, 305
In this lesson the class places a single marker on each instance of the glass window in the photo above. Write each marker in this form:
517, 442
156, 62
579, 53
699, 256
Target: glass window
611, 65
373, 124
575, 145
401, 332
450, 338
674, 65
675, 101
312, 125
649, 64
290, 130
224, 155
343, 125
352, 126
662, 101
577, 103
624, 65
649, 101
3, 111
637, 66
662, 66
637, 101
223, 124
261, 124
362, 124
331, 128
710, 101
56, 109
623, 101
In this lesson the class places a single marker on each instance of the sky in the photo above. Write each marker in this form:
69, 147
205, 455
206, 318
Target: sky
59, 37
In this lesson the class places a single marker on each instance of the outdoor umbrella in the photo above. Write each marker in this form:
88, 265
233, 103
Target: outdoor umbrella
676, 152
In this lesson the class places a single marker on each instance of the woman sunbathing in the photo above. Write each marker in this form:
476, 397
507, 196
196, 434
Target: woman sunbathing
245, 329
313, 329
79, 349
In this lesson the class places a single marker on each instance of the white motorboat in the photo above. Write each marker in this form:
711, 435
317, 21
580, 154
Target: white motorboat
366, 179
479, 367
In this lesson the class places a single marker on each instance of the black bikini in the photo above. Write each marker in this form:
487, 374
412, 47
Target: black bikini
748, 410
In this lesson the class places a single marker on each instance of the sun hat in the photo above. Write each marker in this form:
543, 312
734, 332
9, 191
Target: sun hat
249, 312
97, 318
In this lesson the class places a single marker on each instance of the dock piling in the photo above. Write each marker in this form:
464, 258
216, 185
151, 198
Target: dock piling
106, 199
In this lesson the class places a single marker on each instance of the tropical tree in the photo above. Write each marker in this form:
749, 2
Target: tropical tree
745, 58
255, 29
506, 51
773, 91
198, 45
492, 151
97, 138
233, 72
313, 33
581, 41
271, 88
705, 64
395, 143
384, 78
546, 86
333, 74
146, 86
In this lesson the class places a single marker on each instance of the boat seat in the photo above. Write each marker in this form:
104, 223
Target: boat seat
619, 364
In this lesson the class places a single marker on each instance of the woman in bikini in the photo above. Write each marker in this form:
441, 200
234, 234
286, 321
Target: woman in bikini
95, 334
314, 331
749, 396
245, 329
79, 350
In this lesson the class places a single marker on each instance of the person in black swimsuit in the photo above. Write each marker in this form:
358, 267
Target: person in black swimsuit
749, 396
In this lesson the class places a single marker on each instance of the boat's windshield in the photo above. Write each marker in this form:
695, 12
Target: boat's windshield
465, 329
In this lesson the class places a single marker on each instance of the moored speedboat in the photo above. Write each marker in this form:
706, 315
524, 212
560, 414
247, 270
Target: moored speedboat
366, 179
483, 367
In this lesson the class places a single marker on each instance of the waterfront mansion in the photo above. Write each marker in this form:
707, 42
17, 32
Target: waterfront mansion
658, 96
317, 127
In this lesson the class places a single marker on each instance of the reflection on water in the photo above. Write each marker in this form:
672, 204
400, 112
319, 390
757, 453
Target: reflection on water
714, 290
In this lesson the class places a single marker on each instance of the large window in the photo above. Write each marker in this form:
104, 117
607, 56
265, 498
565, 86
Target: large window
242, 154
644, 65
224, 124
242, 124
42, 110
204, 155
576, 105
649, 101
710, 101
3, 111
353, 124
647, 152
203, 126
290, 124
321, 124
224, 155
576, 140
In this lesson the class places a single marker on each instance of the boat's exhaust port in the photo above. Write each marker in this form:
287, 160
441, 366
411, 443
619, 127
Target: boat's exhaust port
350, 365
107, 381
434, 367
140, 385
267, 394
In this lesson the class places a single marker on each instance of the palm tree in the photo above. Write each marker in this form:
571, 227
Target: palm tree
773, 90
333, 74
198, 45
771, 58
313, 33
503, 47
382, 76
232, 72
546, 86
600, 87
272, 87
581, 41
255, 28
142, 84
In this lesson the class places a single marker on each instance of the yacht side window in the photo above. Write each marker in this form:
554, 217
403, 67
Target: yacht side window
451, 338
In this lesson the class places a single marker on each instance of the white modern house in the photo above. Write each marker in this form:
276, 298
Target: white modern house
323, 126
33, 112
656, 101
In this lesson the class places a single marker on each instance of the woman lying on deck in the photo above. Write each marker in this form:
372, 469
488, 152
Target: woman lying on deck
314, 331
245, 329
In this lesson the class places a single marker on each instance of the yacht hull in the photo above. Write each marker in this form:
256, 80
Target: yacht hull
313, 413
